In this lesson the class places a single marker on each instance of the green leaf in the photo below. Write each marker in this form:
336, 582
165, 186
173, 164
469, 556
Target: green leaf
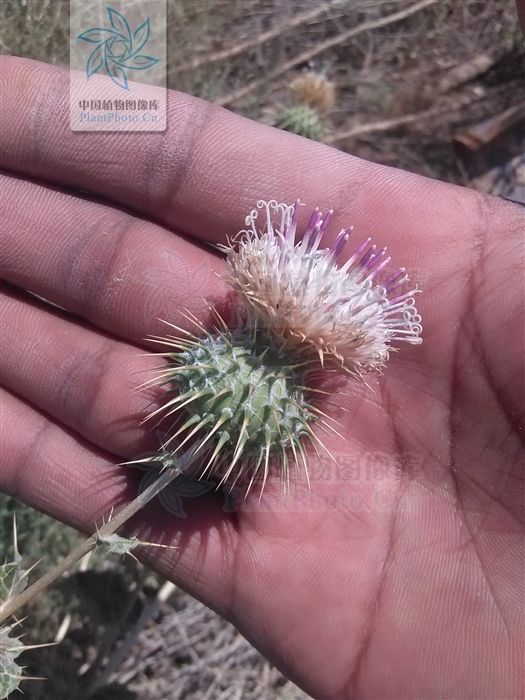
10, 672
122, 545
119, 545
13, 579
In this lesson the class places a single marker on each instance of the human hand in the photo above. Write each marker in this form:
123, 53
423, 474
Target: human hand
387, 584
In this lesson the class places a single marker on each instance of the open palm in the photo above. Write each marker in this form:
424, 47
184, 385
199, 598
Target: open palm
399, 573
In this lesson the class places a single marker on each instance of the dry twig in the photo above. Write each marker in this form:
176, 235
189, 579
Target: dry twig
388, 124
384, 125
296, 21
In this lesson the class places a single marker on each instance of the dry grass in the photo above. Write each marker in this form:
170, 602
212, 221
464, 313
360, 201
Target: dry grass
191, 653
404, 87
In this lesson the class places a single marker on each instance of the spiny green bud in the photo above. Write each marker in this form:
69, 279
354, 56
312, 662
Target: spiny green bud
244, 397
301, 120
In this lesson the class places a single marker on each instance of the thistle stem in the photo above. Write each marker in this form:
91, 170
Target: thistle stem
171, 473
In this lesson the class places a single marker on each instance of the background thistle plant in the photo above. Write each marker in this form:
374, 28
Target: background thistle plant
312, 97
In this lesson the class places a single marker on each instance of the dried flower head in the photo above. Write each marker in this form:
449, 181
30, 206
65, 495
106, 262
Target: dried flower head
296, 290
313, 90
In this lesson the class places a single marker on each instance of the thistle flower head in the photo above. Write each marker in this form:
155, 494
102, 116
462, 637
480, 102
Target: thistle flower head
243, 395
298, 292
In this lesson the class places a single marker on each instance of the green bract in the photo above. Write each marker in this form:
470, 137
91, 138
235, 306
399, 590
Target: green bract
301, 120
245, 398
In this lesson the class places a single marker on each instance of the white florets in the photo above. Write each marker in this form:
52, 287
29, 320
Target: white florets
296, 290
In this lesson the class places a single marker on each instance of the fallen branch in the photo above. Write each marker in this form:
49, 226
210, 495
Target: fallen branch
385, 125
320, 48
465, 72
388, 124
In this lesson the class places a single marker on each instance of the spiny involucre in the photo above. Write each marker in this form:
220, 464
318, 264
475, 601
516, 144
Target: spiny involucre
244, 397
244, 394
301, 120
